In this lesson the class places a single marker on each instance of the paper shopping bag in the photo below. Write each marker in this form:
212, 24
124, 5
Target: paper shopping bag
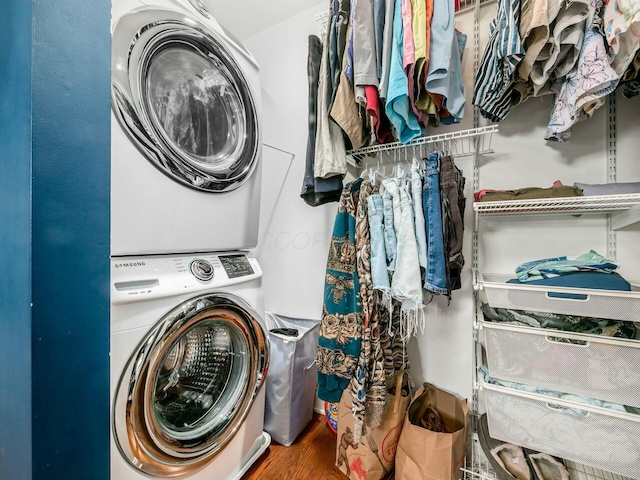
432, 444
373, 457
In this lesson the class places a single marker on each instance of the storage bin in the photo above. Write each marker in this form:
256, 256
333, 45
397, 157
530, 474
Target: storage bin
585, 302
600, 367
291, 380
593, 436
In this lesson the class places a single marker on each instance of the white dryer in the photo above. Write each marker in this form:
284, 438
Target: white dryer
186, 141
189, 355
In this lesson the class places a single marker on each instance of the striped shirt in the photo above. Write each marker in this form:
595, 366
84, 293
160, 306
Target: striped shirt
494, 78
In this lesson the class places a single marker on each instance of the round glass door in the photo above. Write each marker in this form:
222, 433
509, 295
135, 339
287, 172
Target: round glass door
184, 101
189, 386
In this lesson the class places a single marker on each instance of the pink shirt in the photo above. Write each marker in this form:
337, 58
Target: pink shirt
409, 49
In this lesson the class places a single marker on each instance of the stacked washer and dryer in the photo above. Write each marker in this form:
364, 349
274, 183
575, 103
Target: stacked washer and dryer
189, 352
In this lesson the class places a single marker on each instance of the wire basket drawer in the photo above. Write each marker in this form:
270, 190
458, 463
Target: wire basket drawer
600, 367
592, 436
586, 302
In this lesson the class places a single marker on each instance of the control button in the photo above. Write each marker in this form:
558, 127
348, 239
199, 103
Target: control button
201, 269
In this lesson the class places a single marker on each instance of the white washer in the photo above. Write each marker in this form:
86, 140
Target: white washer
186, 142
189, 355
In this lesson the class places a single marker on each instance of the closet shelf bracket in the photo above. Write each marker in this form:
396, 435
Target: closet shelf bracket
462, 143
624, 219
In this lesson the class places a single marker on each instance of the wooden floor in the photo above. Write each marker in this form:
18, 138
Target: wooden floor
311, 457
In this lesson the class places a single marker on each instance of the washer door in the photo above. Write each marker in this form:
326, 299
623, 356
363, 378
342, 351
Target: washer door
189, 385
183, 100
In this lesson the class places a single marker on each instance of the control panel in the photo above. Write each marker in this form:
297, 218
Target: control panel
144, 278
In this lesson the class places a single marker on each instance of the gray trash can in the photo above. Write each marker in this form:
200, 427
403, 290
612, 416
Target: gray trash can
291, 380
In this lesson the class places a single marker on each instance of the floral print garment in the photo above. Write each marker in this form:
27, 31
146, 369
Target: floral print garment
622, 29
584, 89
340, 336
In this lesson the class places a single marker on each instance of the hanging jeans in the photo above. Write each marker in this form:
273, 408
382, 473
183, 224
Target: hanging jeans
379, 275
390, 205
421, 233
436, 278
453, 202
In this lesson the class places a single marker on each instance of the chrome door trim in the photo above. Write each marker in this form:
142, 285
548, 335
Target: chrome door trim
137, 37
143, 445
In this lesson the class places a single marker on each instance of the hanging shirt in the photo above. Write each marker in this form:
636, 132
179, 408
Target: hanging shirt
534, 34
316, 191
416, 67
365, 70
622, 28
451, 87
494, 79
330, 152
387, 42
380, 122
422, 97
397, 108
584, 90
379, 14
344, 110
336, 61
559, 56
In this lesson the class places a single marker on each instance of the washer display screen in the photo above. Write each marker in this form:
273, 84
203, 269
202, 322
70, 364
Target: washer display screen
236, 265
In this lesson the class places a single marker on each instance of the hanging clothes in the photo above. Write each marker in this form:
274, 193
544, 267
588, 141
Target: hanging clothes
397, 107
379, 15
423, 100
330, 152
558, 57
340, 336
436, 277
345, 111
339, 25
365, 64
584, 89
494, 80
415, 45
622, 29
387, 42
453, 201
316, 191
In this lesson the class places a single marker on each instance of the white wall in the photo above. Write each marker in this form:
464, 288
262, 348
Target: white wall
295, 237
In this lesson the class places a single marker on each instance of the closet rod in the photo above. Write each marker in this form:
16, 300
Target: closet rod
462, 150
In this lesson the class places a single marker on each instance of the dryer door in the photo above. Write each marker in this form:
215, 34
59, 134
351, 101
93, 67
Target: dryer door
189, 385
183, 100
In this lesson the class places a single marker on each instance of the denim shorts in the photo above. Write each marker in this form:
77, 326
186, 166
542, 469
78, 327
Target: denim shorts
406, 283
379, 274
436, 277
389, 190
421, 232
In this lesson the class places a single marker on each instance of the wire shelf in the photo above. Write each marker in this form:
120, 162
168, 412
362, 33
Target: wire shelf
477, 467
462, 143
627, 203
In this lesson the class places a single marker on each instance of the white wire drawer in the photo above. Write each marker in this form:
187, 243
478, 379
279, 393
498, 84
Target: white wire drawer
594, 366
593, 436
586, 302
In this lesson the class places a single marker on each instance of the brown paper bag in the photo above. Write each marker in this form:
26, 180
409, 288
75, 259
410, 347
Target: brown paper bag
373, 458
431, 455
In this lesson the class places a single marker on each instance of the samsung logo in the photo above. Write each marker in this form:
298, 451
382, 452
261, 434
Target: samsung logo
131, 264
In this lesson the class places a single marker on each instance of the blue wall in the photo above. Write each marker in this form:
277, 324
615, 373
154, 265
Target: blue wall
15, 238
71, 165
